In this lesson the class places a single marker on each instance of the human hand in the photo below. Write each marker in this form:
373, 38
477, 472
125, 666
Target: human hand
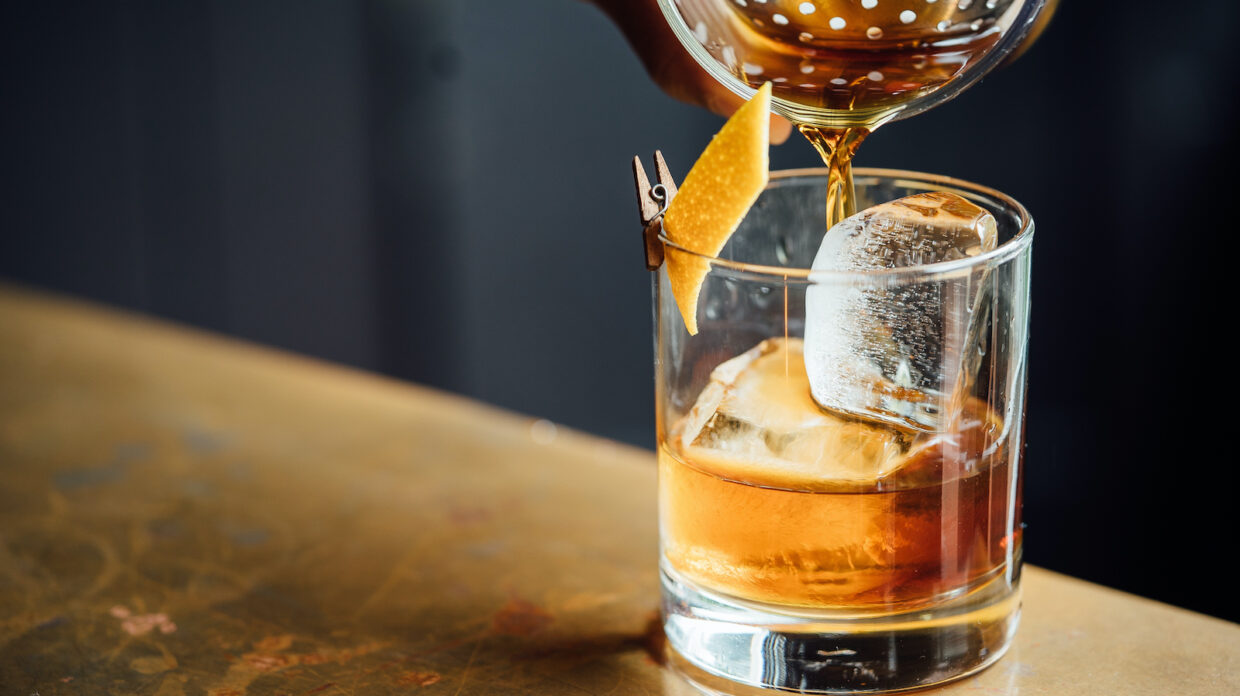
670, 65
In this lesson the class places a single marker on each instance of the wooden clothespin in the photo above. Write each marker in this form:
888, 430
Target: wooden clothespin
652, 202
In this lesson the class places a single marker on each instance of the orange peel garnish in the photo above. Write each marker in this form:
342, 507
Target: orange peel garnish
717, 193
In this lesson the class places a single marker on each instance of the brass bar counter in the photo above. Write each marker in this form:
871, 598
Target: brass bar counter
186, 514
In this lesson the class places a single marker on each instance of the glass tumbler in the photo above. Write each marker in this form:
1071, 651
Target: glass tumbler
818, 550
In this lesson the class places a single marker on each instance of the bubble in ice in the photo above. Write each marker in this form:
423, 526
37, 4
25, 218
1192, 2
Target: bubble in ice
901, 349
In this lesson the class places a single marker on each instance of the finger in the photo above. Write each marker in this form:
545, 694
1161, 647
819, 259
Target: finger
723, 102
672, 68
781, 128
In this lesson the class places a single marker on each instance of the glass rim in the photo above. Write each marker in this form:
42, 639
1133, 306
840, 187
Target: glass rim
1001, 253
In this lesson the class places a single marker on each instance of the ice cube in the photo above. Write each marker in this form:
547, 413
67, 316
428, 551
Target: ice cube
756, 422
894, 349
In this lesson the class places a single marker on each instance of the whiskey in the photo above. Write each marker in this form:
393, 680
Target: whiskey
768, 498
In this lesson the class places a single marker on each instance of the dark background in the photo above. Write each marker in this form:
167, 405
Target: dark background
441, 192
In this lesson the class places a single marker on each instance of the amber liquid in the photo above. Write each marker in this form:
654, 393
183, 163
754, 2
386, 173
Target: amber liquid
939, 526
837, 146
840, 69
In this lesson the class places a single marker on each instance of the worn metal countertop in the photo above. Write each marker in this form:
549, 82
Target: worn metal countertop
185, 514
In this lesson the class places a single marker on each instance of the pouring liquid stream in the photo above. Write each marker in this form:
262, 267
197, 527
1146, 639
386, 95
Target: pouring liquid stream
837, 146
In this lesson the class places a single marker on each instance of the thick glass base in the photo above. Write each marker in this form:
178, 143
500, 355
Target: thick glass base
832, 653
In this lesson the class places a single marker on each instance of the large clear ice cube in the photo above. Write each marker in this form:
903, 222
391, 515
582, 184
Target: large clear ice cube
756, 422
896, 348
